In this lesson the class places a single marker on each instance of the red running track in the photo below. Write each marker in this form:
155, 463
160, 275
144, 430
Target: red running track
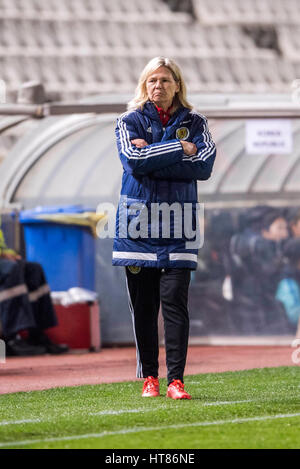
118, 364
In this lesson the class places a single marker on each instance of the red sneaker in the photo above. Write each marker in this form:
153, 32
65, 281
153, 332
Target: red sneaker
151, 387
176, 390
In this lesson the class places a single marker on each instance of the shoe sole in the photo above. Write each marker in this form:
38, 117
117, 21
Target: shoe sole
179, 398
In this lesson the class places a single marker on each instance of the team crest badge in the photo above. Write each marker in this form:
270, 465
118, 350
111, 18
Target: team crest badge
182, 133
134, 269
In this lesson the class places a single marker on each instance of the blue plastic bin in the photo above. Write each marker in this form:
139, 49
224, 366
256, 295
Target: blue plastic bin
66, 252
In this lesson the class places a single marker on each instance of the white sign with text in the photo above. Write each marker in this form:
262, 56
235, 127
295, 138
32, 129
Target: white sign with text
266, 136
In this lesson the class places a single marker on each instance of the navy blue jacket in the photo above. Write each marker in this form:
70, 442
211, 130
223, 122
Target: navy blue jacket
157, 174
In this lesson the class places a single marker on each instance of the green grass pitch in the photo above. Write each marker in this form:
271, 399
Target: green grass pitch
250, 409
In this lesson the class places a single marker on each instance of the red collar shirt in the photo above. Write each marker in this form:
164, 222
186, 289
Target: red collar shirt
164, 115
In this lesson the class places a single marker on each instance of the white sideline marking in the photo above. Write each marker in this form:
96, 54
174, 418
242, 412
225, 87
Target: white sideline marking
124, 411
206, 404
149, 429
95, 414
127, 411
17, 422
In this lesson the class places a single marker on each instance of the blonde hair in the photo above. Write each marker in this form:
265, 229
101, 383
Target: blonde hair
141, 95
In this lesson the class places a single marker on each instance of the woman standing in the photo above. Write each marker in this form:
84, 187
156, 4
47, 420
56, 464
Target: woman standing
164, 147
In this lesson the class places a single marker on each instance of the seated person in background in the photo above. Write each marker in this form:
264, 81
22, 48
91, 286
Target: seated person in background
288, 291
25, 304
294, 222
256, 255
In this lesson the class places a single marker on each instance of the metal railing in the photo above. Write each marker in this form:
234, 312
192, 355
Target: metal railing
291, 111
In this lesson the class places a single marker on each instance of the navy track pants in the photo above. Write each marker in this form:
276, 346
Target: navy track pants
147, 288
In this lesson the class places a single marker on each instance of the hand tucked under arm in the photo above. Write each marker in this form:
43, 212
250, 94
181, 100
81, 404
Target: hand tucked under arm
145, 158
189, 148
139, 143
191, 167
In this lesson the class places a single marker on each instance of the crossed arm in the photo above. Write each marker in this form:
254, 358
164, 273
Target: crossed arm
189, 148
189, 168
172, 159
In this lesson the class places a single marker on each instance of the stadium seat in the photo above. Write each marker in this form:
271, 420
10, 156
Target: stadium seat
218, 47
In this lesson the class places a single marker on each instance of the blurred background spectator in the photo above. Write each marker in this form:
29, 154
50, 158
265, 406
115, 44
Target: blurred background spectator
25, 305
288, 292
